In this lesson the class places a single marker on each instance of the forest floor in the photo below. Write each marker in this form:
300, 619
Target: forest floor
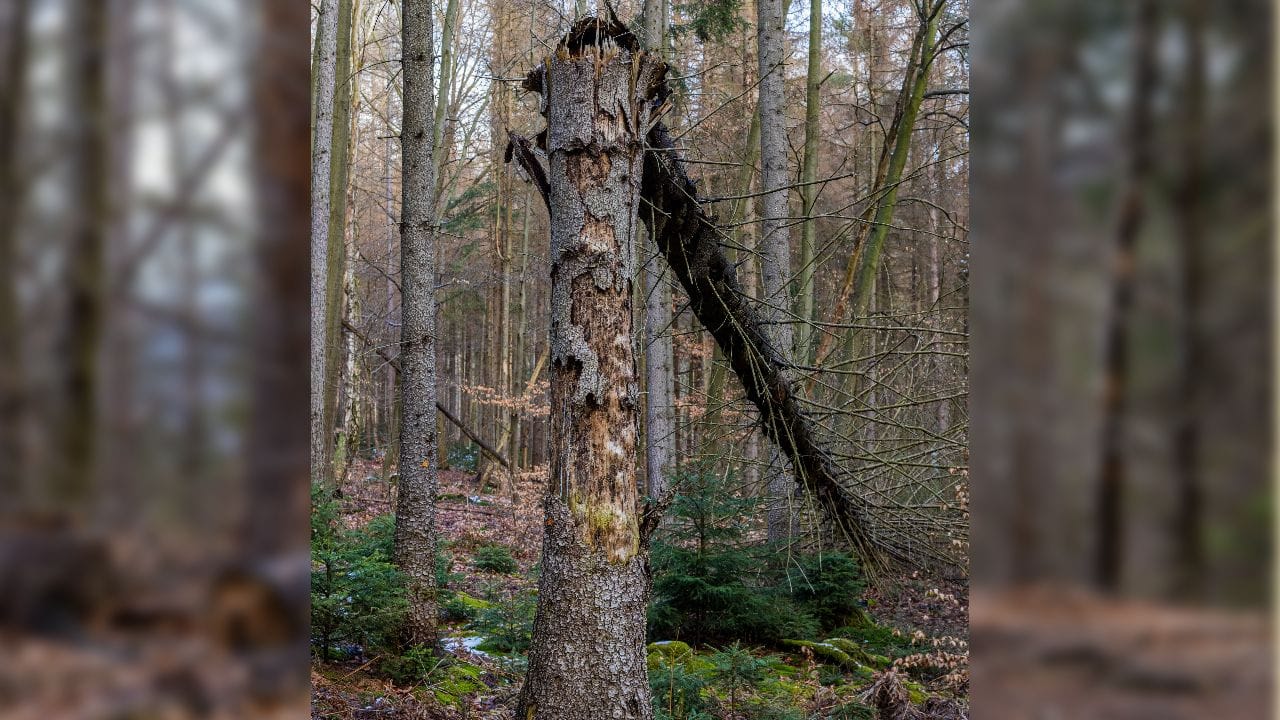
1064, 653
470, 518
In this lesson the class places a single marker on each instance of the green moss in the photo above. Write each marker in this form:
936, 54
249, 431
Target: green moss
456, 682
915, 692
458, 605
831, 654
665, 653
859, 653
671, 649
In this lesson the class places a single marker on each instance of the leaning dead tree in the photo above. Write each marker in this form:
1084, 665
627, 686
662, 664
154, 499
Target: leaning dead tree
690, 240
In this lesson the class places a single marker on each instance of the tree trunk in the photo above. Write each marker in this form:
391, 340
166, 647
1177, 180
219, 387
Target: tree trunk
1108, 558
809, 188
340, 154
14, 31
84, 271
587, 660
775, 241
1188, 514
415, 538
659, 410
321, 167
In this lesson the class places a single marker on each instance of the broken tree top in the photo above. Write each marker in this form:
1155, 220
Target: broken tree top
690, 241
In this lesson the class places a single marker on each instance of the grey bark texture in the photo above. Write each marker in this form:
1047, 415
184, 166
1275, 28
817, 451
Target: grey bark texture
321, 160
415, 537
659, 410
775, 241
587, 659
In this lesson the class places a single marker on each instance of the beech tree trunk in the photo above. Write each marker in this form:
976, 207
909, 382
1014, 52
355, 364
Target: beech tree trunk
587, 659
415, 537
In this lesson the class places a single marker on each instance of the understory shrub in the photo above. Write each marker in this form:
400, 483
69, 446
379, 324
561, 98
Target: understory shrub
357, 595
495, 559
507, 625
712, 585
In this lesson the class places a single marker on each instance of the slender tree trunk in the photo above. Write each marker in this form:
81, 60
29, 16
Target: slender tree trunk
809, 188
415, 536
14, 31
658, 351
587, 660
918, 74
1108, 560
775, 242
1188, 516
340, 155
325, 82
82, 330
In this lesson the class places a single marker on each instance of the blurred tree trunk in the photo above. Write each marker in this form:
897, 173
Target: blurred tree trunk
83, 269
276, 462
587, 659
415, 537
14, 31
1188, 516
1108, 560
325, 82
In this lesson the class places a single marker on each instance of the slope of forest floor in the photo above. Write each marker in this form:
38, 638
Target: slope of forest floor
924, 619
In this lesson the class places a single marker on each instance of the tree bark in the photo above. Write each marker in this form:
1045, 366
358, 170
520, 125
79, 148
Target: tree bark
321, 167
659, 410
587, 660
809, 188
415, 537
775, 241
340, 153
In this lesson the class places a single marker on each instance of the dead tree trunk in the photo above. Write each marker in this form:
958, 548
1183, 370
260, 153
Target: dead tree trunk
587, 659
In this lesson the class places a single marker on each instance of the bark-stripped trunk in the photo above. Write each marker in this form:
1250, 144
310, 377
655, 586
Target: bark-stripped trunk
775, 241
587, 660
1108, 560
415, 537
325, 73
